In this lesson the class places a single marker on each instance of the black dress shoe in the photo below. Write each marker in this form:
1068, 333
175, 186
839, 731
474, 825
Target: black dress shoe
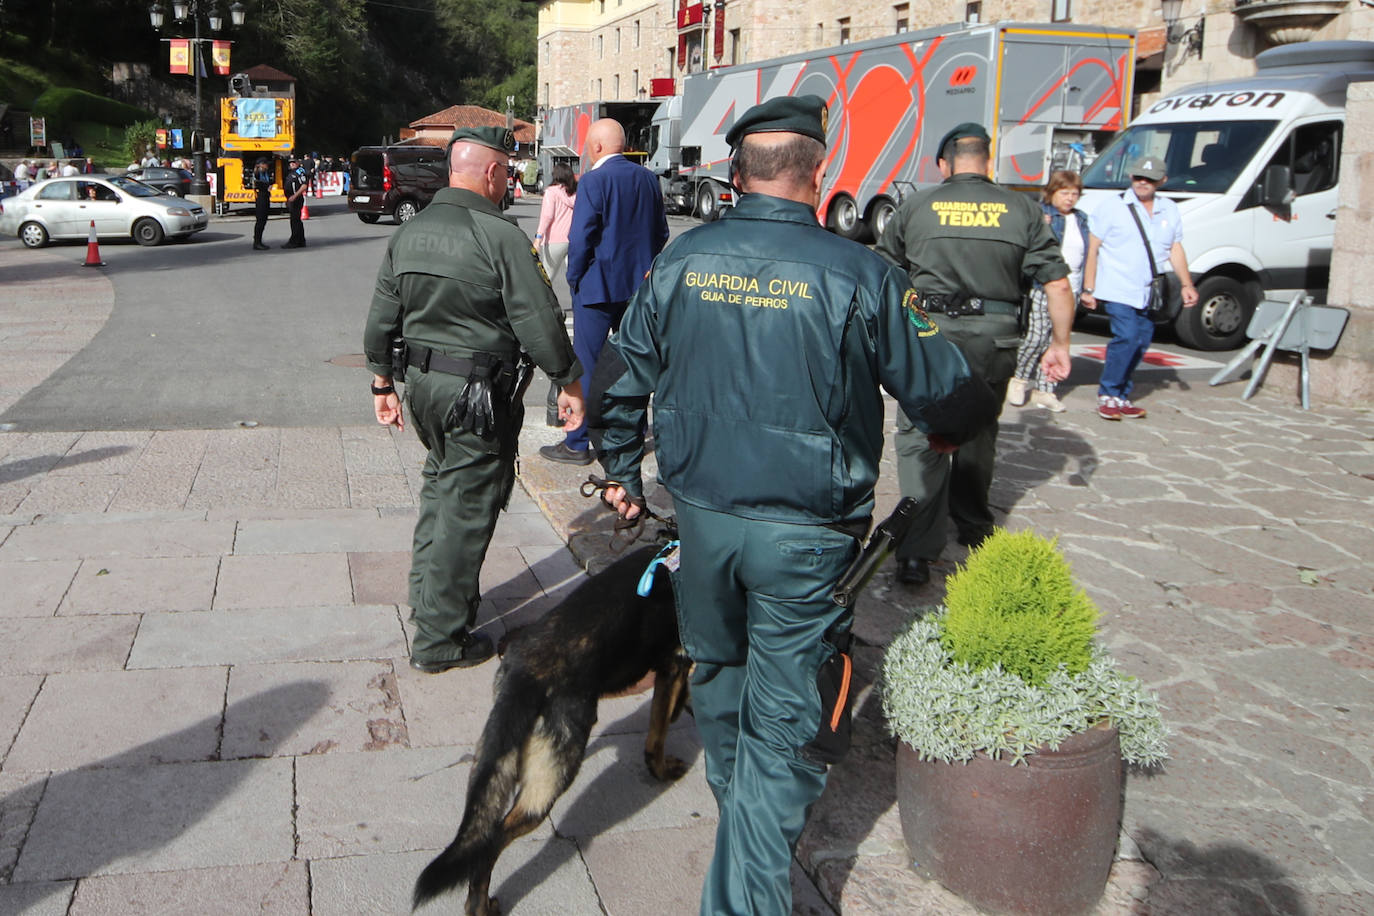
478, 649
974, 539
294, 245
259, 246
913, 572
561, 453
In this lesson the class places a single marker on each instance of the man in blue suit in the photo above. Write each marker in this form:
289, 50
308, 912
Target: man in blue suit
618, 228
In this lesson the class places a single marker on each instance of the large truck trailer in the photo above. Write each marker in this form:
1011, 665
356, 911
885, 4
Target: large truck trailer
1050, 95
563, 136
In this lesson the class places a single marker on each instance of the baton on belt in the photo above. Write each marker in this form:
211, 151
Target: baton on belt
880, 545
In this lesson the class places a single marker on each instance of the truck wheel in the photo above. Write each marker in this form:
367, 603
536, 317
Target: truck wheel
1219, 319
880, 215
368, 218
844, 218
405, 210
707, 206
148, 232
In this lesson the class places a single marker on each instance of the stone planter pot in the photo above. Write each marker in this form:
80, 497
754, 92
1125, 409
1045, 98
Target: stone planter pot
1035, 838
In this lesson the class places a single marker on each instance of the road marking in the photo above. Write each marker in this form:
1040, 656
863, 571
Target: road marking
1161, 360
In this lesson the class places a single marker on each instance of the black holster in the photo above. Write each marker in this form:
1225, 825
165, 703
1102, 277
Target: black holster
400, 359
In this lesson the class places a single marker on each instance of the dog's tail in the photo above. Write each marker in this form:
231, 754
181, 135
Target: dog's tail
517, 706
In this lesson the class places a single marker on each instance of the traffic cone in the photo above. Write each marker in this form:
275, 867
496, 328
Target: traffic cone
93, 250
305, 207
518, 192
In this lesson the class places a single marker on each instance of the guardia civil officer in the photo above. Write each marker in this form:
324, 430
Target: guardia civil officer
764, 340
262, 200
459, 295
295, 202
970, 248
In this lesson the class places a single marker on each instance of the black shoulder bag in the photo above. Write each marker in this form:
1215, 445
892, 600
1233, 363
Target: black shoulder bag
1166, 293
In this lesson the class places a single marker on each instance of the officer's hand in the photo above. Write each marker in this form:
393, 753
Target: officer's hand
388, 410
1055, 364
619, 500
1089, 301
941, 444
572, 410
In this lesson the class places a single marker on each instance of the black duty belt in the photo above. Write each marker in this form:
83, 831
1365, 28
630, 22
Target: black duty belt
960, 306
428, 360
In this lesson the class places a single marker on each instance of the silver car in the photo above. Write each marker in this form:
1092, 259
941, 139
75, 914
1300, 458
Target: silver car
120, 207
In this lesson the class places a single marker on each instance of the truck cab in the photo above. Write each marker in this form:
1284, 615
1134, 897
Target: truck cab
1254, 166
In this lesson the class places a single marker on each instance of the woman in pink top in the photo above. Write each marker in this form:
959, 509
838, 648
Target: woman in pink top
555, 218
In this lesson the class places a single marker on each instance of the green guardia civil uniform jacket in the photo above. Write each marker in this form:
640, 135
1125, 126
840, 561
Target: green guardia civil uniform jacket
461, 278
764, 340
971, 235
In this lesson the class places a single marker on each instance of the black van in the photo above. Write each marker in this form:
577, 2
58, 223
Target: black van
397, 181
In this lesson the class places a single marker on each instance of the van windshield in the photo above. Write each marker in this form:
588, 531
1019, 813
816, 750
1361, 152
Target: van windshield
1199, 156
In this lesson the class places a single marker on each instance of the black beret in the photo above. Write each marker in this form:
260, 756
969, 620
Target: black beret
501, 139
801, 114
967, 129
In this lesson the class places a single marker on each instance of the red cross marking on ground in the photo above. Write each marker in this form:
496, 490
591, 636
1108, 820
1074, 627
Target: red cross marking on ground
1153, 357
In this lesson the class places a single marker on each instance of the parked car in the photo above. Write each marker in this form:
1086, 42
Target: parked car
169, 181
8, 185
397, 181
120, 207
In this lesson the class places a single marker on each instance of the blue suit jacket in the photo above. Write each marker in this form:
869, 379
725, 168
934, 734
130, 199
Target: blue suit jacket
618, 227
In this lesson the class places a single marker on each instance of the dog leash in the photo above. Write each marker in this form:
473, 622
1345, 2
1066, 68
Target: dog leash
627, 530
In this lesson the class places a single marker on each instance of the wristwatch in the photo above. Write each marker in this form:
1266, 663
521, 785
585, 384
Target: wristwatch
385, 389
1087, 291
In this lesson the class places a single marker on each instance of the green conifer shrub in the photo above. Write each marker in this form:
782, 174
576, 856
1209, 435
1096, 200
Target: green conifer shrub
1014, 603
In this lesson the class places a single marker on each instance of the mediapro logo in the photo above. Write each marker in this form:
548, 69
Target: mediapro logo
962, 76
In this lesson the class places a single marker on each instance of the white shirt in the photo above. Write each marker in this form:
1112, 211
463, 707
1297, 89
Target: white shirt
597, 164
21, 172
1123, 267
69, 170
1075, 249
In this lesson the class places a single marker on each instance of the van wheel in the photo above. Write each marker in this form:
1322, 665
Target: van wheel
368, 218
405, 210
844, 219
880, 215
1219, 319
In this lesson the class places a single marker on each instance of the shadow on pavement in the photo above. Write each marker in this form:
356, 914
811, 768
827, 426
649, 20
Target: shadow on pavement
1221, 878
41, 464
133, 804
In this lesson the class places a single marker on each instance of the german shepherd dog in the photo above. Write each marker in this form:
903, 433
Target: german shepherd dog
602, 639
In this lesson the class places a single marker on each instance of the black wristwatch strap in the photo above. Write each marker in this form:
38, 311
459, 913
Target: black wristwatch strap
385, 389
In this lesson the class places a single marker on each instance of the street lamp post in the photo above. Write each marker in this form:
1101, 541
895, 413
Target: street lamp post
181, 10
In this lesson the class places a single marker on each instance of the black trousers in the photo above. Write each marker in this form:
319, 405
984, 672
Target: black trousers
260, 207
297, 227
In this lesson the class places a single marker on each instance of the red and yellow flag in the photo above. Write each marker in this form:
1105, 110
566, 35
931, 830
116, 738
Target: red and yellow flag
180, 55
219, 55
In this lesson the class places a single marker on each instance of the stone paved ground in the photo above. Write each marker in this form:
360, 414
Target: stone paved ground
204, 703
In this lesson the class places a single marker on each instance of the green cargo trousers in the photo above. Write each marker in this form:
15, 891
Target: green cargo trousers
465, 483
956, 486
755, 606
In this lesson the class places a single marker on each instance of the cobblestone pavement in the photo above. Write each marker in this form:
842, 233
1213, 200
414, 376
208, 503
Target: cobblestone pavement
203, 694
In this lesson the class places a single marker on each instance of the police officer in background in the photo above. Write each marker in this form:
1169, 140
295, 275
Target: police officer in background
463, 286
295, 202
262, 200
763, 335
970, 248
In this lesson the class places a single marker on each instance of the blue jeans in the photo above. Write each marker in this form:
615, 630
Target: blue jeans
1132, 332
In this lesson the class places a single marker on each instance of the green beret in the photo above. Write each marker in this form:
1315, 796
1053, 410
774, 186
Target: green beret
501, 139
967, 129
802, 114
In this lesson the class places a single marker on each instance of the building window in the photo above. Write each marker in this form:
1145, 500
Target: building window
734, 47
973, 12
844, 30
546, 95
546, 52
634, 82
615, 86
599, 96
617, 41
601, 6
1061, 10
902, 13
600, 47
636, 33
820, 33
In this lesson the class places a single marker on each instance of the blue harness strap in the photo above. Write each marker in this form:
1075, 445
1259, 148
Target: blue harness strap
665, 557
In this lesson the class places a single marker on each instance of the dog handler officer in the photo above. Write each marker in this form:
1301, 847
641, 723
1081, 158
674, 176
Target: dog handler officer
764, 339
465, 288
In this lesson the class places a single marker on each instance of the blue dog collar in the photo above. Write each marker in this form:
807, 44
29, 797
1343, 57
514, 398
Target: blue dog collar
667, 557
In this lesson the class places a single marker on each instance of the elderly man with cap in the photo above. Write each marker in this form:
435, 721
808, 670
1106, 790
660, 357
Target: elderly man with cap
1132, 236
295, 189
460, 296
970, 247
764, 341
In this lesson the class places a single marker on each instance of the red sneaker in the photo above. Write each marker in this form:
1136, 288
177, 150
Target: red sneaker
1129, 411
1107, 407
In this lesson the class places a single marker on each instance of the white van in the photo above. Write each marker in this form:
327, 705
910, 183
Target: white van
1253, 165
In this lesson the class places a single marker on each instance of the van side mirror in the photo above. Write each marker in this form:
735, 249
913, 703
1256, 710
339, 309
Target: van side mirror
1276, 186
